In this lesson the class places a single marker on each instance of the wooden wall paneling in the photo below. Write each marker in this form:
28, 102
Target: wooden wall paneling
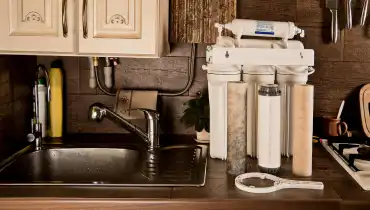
312, 11
192, 21
319, 39
271, 10
356, 44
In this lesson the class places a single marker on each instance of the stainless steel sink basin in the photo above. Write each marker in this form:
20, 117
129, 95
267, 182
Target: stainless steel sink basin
171, 166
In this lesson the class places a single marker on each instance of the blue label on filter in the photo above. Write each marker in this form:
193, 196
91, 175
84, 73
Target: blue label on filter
265, 28
266, 33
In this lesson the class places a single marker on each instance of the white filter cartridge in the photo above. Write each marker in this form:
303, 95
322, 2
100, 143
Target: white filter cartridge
284, 30
268, 131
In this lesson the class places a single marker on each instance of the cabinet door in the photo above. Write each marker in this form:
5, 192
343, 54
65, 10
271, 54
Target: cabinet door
118, 27
37, 26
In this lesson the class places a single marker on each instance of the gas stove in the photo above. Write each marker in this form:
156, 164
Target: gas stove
354, 162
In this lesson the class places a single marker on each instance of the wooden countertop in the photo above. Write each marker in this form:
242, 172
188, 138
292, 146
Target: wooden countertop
340, 192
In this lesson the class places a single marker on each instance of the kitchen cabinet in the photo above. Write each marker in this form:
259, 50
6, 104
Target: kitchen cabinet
123, 28
130, 27
36, 26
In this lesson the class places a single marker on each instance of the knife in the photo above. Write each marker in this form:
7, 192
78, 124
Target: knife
348, 9
332, 5
365, 8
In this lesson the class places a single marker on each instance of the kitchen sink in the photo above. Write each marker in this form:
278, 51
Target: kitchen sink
179, 165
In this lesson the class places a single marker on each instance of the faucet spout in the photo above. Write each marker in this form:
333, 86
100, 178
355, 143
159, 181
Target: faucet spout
98, 112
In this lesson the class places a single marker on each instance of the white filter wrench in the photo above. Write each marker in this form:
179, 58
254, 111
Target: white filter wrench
247, 182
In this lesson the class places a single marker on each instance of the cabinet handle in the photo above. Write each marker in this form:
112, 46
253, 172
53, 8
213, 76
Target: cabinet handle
84, 18
64, 18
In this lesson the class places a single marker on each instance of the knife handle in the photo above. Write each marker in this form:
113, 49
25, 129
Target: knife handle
334, 25
365, 8
349, 13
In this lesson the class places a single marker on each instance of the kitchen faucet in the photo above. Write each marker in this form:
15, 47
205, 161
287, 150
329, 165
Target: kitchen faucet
36, 134
98, 111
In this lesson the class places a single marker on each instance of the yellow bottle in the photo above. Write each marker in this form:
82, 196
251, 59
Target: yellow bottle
56, 102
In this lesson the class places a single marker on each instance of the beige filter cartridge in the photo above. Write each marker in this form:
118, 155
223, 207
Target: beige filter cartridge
302, 129
236, 127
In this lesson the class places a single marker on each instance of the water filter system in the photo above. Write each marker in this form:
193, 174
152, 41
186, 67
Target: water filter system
245, 27
218, 77
280, 61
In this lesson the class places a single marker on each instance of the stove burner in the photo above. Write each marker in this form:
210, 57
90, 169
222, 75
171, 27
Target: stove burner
357, 156
346, 146
349, 155
364, 153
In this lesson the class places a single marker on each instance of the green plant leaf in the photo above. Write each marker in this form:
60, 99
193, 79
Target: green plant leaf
197, 112
206, 112
199, 126
189, 118
189, 121
206, 125
192, 103
203, 101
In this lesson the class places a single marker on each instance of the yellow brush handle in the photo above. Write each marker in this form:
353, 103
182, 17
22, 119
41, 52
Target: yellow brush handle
56, 103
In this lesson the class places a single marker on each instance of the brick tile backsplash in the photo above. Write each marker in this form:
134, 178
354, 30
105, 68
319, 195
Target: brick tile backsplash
4, 73
83, 77
71, 68
200, 80
165, 64
77, 115
171, 109
22, 113
201, 50
6, 113
168, 73
180, 50
15, 101
5, 92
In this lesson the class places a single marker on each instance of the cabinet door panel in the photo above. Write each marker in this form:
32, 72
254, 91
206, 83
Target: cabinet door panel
33, 17
117, 19
119, 27
36, 26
